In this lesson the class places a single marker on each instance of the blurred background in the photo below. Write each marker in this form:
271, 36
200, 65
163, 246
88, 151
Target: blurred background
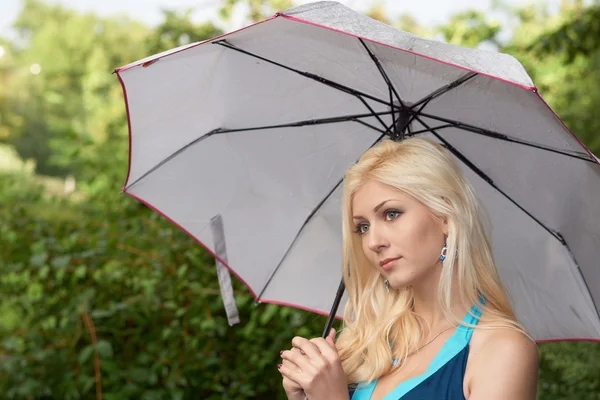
102, 299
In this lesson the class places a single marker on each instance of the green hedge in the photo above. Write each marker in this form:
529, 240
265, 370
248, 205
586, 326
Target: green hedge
147, 291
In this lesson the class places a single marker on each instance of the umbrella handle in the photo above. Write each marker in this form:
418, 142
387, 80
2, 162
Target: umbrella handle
334, 307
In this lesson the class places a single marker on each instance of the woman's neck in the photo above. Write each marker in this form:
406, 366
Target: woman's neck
427, 305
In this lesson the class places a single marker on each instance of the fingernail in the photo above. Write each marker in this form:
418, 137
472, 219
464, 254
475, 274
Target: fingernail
278, 366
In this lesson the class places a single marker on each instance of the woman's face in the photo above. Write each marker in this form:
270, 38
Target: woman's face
400, 237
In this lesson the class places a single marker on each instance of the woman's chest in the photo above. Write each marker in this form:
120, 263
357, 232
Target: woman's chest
415, 366
425, 378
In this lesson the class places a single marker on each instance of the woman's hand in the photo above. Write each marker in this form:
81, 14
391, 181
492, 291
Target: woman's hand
316, 368
293, 390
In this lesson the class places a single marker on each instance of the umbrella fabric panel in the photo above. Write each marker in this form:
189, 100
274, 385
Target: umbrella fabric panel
413, 77
310, 272
339, 17
264, 184
506, 109
545, 284
169, 88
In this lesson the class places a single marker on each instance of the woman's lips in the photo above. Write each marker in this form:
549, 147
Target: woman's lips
388, 263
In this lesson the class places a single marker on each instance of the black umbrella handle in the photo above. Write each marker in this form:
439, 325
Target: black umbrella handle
334, 307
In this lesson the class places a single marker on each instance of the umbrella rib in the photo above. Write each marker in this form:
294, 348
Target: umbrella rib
444, 89
386, 132
309, 75
322, 121
486, 178
385, 76
502, 136
429, 130
581, 274
169, 158
421, 104
391, 101
308, 219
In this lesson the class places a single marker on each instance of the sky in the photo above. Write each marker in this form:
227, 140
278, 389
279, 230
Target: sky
426, 12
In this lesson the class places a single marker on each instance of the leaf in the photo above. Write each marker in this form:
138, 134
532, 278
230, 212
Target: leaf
37, 260
104, 349
177, 395
35, 291
182, 270
269, 312
101, 313
85, 354
44, 271
80, 272
60, 261
139, 375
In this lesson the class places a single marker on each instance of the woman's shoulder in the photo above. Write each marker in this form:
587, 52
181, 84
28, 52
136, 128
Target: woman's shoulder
501, 342
501, 359
490, 338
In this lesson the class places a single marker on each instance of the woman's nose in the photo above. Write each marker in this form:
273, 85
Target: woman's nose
377, 240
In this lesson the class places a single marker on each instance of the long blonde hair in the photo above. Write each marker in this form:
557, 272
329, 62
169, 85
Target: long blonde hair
374, 318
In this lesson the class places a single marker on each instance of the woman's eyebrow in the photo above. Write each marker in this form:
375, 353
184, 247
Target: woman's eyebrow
377, 207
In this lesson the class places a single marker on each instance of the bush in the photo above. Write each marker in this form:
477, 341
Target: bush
105, 291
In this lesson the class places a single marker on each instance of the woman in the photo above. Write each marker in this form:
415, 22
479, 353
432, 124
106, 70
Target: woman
427, 317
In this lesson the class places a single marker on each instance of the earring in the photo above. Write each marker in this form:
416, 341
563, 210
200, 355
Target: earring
444, 251
387, 285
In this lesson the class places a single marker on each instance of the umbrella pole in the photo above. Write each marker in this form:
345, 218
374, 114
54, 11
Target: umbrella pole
334, 307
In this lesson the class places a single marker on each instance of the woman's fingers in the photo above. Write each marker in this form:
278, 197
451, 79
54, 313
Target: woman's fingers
301, 361
327, 350
290, 364
307, 347
290, 374
331, 337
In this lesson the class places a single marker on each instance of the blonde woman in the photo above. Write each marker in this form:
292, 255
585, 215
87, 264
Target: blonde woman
427, 317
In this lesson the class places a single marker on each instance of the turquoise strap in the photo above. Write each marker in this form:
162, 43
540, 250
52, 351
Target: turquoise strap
454, 345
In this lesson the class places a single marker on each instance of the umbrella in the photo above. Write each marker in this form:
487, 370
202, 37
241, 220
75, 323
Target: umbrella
242, 142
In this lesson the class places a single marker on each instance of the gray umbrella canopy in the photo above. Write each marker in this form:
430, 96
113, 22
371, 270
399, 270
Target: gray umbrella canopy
258, 126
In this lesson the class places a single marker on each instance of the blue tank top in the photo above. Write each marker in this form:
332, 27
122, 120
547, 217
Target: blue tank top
443, 379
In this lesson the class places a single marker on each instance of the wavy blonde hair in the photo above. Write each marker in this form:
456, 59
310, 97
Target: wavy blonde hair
374, 318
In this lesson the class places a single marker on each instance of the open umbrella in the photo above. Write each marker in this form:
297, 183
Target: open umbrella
242, 141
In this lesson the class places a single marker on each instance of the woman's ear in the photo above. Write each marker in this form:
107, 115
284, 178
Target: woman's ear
444, 225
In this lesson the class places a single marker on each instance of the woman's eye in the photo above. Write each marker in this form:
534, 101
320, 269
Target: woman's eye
362, 228
391, 215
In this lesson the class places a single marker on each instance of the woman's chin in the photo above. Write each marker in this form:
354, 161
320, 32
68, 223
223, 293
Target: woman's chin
402, 279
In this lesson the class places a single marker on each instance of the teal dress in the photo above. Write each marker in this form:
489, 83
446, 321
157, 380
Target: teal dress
443, 379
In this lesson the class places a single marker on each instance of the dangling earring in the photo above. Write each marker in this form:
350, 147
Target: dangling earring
444, 250
387, 285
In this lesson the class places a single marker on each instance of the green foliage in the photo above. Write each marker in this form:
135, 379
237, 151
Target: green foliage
577, 34
70, 268
257, 9
569, 371
469, 29
177, 30
568, 84
72, 106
